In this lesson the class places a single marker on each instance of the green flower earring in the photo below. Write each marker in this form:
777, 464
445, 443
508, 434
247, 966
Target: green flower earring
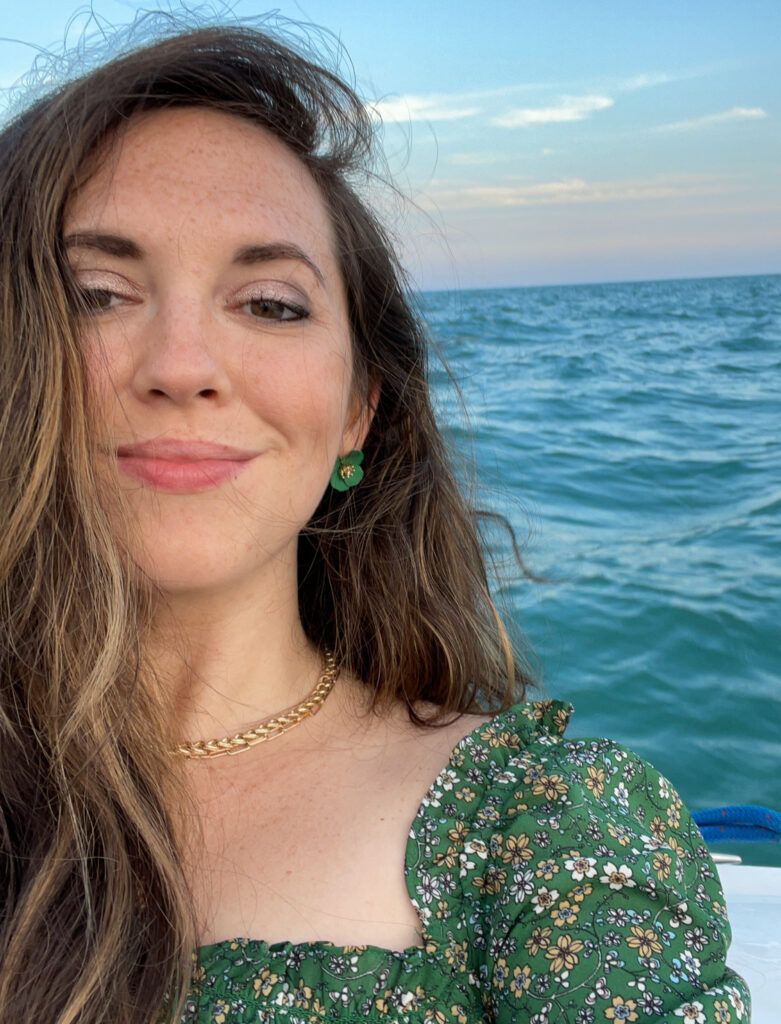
347, 471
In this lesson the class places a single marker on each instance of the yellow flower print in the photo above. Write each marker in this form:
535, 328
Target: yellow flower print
644, 940
541, 707
595, 780
619, 832
676, 847
437, 1016
491, 736
460, 1014
547, 869
533, 772
520, 980
552, 787
658, 831
495, 844
491, 882
448, 857
458, 833
516, 850
622, 1009
517, 808
580, 892
496, 738
487, 814
565, 913
442, 909
302, 994
661, 863
560, 720
466, 794
265, 982
354, 949
539, 939
564, 954
500, 972
721, 1011
220, 1012
457, 954
674, 815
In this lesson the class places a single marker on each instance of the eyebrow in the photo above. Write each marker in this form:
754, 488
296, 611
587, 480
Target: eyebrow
250, 254
116, 245
113, 245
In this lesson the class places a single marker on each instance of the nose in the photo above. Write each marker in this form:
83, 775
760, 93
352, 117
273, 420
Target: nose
180, 357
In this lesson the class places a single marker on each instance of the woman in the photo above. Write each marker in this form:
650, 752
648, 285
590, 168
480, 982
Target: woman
226, 497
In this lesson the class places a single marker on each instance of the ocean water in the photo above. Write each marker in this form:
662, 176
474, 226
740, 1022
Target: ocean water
632, 434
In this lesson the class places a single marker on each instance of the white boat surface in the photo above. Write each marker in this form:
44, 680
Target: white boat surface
753, 896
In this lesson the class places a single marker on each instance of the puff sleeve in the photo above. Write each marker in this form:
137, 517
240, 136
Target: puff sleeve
602, 903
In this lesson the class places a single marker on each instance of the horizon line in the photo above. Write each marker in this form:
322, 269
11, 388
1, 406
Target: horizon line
581, 284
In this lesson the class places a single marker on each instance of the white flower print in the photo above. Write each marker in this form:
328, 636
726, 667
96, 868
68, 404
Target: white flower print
680, 915
617, 877
692, 1013
544, 899
581, 867
476, 846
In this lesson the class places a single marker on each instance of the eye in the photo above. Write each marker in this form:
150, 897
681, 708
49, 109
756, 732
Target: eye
99, 300
275, 309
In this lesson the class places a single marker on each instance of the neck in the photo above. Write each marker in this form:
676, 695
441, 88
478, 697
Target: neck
231, 659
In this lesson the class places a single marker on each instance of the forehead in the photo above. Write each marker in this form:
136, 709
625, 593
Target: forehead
191, 167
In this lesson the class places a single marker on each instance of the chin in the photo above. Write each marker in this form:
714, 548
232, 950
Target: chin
192, 563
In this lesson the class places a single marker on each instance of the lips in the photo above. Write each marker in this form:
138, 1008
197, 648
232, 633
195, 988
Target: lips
182, 466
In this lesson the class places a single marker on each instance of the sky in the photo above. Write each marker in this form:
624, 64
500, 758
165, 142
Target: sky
545, 141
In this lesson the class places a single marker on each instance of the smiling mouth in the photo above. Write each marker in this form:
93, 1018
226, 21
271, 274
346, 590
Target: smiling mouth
180, 477
182, 467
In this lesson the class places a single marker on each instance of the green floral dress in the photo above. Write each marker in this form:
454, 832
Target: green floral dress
556, 881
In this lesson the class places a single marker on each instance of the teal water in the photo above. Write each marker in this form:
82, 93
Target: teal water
631, 432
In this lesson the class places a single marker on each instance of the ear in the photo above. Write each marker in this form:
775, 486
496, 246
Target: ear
363, 413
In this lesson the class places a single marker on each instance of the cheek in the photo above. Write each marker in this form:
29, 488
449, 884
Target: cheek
108, 364
102, 385
303, 392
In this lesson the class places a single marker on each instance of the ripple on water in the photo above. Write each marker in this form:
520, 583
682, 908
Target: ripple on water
635, 426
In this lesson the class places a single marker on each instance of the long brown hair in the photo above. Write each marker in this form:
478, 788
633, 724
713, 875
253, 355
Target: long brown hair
96, 922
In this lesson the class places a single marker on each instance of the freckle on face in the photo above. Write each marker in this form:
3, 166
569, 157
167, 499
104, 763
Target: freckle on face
179, 357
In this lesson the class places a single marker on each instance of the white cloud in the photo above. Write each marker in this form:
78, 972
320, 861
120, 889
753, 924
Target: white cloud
645, 81
433, 107
733, 114
446, 195
651, 78
569, 108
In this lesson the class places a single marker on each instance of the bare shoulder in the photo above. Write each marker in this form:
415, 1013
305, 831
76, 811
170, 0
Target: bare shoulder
419, 752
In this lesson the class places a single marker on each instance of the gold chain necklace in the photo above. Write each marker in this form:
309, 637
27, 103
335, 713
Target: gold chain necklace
272, 727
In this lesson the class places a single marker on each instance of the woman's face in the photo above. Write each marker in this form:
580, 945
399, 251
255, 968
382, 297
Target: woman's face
219, 349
